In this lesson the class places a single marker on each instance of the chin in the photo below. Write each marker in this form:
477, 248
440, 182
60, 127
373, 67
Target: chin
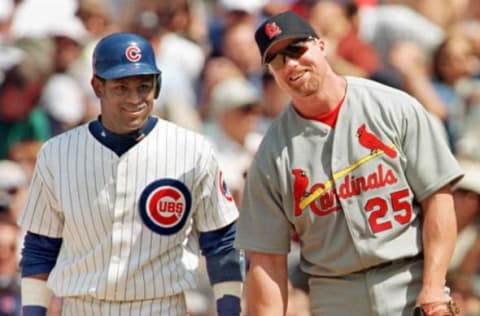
303, 93
130, 125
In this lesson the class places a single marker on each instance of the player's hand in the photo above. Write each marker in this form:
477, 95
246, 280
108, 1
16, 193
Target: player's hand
432, 294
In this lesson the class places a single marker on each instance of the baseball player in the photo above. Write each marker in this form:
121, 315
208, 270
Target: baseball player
359, 172
119, 207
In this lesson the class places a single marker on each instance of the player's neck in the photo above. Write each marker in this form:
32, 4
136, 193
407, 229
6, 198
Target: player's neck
324, 101
120, 143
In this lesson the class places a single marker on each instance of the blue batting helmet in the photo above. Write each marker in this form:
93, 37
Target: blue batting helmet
122, 55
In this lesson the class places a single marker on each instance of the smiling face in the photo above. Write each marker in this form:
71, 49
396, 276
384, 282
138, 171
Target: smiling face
126, 102
302, 76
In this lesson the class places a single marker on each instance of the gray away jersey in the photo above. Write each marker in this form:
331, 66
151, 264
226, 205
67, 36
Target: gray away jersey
348, 192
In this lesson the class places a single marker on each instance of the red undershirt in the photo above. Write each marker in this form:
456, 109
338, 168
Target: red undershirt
329, 118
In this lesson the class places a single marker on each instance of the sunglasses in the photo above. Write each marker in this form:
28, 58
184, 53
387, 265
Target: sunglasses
294, 51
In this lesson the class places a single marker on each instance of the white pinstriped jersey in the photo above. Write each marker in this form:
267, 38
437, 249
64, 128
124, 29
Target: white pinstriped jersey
129, 224
167, 306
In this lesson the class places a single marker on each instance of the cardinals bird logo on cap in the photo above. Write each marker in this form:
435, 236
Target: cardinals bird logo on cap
272, 30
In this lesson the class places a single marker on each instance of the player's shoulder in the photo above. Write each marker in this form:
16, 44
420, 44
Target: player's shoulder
278, 135
78, 131
173, 131
358, 85
54, 145
374, 93
165, 126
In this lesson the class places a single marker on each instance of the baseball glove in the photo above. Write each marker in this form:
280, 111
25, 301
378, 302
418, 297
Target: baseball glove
437, 309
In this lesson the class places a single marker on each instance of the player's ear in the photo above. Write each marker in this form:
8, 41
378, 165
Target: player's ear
97, 85
158, 84
321, 44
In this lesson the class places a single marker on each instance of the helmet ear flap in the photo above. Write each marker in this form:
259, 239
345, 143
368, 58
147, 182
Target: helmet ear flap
158, 85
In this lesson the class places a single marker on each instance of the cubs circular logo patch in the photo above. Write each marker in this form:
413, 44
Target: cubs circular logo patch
165, 205
224, 188
133, 53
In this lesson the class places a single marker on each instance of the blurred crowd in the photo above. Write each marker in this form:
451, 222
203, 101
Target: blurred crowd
213, 83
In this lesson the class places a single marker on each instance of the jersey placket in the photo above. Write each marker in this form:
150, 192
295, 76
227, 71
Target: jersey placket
121, 234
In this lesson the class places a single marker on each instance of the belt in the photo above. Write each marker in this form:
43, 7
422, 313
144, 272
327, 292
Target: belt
389, 263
